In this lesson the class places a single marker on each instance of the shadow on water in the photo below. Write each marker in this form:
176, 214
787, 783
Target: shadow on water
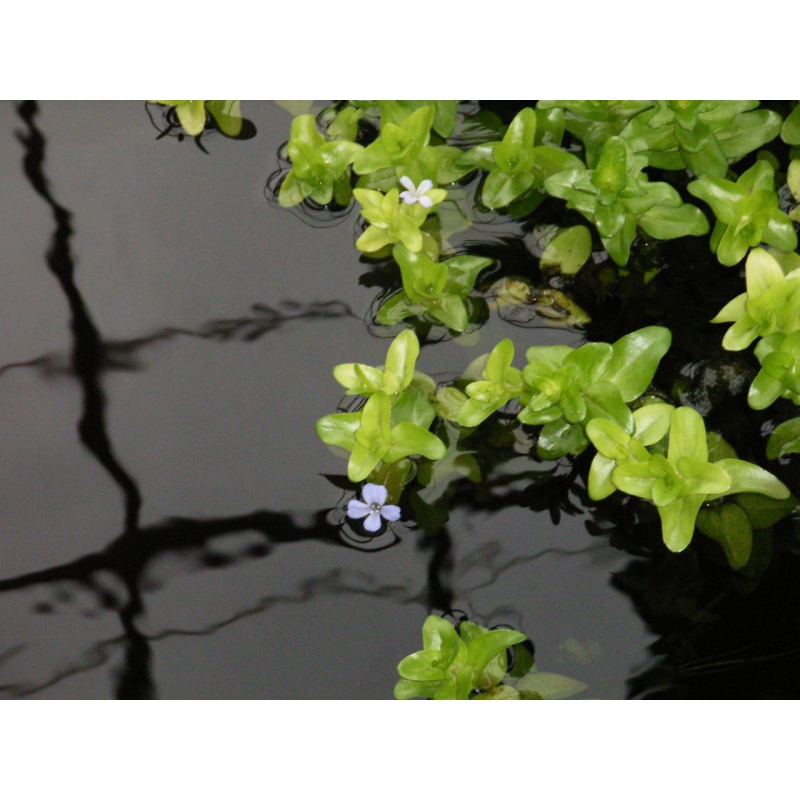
699, 610
129, 556
88, 352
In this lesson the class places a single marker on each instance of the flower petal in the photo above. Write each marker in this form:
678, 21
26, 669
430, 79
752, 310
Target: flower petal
425, 186
408, 183
408, 198
390, 513
425, 202
374, 493
356, 509
373, 522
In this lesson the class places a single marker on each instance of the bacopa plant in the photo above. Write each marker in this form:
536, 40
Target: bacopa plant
471, 663
629, 169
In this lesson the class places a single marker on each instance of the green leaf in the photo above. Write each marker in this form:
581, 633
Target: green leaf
785, 439
397, 308
600, 483
730, 526
401, 358
500, 188
568, 251
662, 222
550, 686
559, 438
764, 391
227, 114
678, 520
700, 477
450, 310
462, 272
191, 115
339, 429
408, 439
410, 690
413, 406
425, 665
687, 437
652, 422
590, 360
635, 359
609, 438
748, 132
482, 649
790, 131
764, 512
747, 477
634, 478
439, 634
604, 400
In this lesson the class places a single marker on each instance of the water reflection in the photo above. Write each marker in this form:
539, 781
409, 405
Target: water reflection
488, 548
88, 350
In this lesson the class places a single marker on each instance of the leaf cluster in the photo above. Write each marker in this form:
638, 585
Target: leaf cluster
395, 420
562, 388
471, 663
747, 213
320, 164
665, 459
432, 289
193, 114
703, 136
619, 198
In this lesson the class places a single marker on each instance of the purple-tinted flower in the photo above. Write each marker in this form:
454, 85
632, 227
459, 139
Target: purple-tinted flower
416, 194
373, 508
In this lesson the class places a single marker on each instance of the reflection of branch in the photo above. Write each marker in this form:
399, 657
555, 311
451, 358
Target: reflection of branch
88, 351
119, 354
486, 558
136, 683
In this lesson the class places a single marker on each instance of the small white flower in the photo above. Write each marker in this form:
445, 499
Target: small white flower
416, 194
373, 508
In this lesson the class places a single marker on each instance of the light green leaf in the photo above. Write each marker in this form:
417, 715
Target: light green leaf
339, 429
635, 359
559, 438
652, 422
662, 222
425, 665
603, 400
730, 526
687, 437
550, 686
401, 358
568, 251
408, 439
785, 439
747, 477
634, 478
678, 520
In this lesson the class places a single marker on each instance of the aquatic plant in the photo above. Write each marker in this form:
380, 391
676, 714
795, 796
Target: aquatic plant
747, 213
565, 389
619, 198
470, 663
679, 482
517, 164
770, 305
192, 115
320, 165
594, 394
434, 290
703, 136
393, 220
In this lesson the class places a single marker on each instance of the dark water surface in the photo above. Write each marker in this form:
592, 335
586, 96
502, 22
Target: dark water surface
166, 528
